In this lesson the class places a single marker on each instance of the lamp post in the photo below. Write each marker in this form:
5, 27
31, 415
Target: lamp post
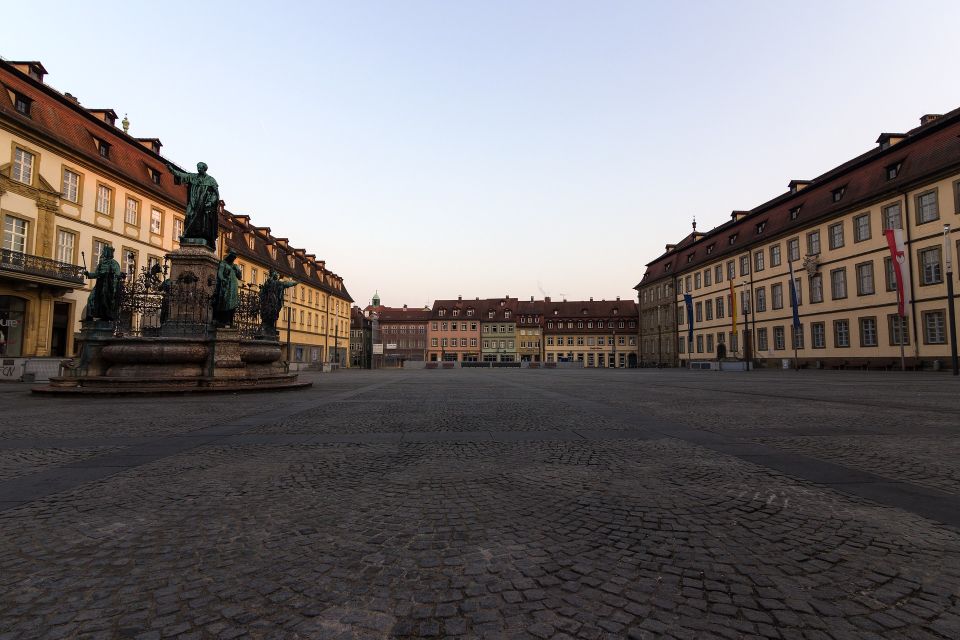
948, 256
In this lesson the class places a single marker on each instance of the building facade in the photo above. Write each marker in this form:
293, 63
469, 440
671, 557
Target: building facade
498, 330
595, 333
361, 339
529, 331
454, 333
403, 332
831, 230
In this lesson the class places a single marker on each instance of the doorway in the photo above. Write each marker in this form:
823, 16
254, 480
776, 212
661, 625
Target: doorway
60, 331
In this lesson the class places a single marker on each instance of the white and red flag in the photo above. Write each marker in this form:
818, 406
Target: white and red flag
901, 268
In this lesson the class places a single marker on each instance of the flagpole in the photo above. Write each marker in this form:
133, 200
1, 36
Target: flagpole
948, 254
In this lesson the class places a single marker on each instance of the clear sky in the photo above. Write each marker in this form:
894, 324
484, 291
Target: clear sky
484, 148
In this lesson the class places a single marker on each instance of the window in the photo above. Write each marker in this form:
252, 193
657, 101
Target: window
868, 332
104, 200
793, 249
890, 274
775, 255
154, 261
681, 345
15, 234
156, 221
66, 241
132, 212
779, 339
709, 343
929, 260
927, 207
836, 235
696, 280
22, 166
761, 226
798, 290
796, 336
744, 265
155, 176
130, 262
895, 324
699, 344
813, 243
758, 261
838, 193
708, 308
818, 338
731, 270
934, 327
71, 186
794, 213
891, 217
720, 310
177, 229
841, 333
838, 283
761, 299
816, 287
733, 239
718, 274
861, 227
698, 307
763, 344
434, 343
893, 170
706, 277
103, 148
98, 247
865, 285
689, 283
776, 296
22, 104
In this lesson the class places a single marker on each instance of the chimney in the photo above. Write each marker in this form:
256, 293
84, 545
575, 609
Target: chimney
618, 298
531, 298
404, 307
928, 118
738, 215
591, 298
459, 298
32, 68
546, 299
72, 98
670, 247
798, 185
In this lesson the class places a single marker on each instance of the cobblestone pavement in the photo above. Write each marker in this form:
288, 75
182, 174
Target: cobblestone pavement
489, 504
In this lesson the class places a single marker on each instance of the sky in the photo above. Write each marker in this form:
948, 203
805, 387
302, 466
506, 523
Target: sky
430, 149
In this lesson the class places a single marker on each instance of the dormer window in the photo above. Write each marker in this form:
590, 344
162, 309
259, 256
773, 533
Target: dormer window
506, 314
733, 239
490, 313
710, 249
103, 148
689, 258
555, 312
838, 193
442, 312
893, 170
469, 313
794, 213
668, 267
456, 312
761, 226
155, 176
22, 104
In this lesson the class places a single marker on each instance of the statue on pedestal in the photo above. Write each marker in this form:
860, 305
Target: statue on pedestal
225, 296
271, 300
203, 204
104, 301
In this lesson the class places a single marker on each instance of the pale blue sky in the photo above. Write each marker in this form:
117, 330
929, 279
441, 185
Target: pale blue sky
433, 149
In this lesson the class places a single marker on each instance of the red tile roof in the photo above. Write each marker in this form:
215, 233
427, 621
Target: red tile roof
401, 314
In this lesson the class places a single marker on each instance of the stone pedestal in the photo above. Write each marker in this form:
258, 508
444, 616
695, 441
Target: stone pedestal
94, 336
226, 361
193, 273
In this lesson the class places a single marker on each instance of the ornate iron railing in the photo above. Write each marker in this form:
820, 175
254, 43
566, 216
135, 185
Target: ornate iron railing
43, 267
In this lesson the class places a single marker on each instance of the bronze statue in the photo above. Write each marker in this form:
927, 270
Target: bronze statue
271, 299
104, 301
225, 296
203, 205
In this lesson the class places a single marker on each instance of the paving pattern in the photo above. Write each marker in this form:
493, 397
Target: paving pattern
489, 504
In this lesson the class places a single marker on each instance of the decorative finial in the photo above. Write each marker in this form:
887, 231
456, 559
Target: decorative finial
125, 123
694, 223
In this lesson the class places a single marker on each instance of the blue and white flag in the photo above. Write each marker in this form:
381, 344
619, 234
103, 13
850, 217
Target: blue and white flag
794, 298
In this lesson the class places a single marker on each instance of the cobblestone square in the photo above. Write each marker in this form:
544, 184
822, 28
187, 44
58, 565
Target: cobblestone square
489, 504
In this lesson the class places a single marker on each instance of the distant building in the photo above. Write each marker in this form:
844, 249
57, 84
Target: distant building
529, 331
361, 339
596, 333
498, 329
454, 333
403, 332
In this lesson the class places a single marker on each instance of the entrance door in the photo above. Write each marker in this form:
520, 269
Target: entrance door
59, 332
12, 314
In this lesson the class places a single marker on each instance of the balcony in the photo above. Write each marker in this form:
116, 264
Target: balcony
23, 266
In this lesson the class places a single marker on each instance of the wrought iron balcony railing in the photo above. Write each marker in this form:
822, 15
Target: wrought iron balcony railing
25, 263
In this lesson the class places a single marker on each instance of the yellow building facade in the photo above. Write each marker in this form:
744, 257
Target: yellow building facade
831, 230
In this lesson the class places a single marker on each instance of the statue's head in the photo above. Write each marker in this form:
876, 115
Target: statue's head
107, 253
201, 167
230, 257
274, 275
